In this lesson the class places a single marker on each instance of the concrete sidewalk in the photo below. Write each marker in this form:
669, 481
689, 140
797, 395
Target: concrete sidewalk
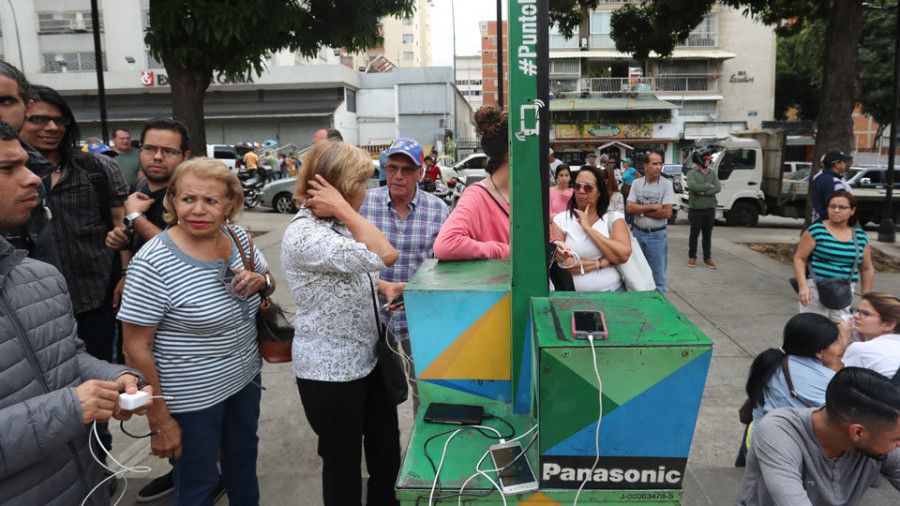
742, 306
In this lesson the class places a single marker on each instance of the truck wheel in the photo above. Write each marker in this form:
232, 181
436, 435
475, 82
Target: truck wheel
743, 214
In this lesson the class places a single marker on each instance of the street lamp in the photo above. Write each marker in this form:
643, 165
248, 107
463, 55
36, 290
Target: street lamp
455, 115
18, 41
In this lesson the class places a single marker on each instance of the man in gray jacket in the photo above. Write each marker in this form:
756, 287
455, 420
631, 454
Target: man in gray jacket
51, 389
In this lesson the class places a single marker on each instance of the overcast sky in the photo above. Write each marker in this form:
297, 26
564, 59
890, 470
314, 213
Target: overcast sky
468, 36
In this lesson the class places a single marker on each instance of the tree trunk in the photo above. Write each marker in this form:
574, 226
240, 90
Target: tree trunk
188, 89
878, 133
840, 83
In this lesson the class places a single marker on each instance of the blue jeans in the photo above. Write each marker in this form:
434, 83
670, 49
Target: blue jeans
229, 426
655, 246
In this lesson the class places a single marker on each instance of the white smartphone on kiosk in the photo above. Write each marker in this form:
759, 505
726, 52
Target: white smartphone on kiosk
518, 477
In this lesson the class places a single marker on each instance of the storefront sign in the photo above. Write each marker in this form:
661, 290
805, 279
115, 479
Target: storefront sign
151, 78
604, 131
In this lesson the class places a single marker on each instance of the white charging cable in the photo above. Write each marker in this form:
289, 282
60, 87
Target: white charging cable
483, 472
124, 469
599, 418
444, 454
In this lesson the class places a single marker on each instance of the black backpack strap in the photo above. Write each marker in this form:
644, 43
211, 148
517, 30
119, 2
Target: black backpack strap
100, 182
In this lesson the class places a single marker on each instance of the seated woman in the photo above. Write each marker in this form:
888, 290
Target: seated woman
875, 321
588, 244
478, 227
561, 193
188, 321
813, 351
332, 257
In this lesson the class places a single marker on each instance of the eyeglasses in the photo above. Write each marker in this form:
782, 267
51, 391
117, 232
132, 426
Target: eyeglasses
835, 207
39, 119
407, 170
587, 187
864, 313
151, 150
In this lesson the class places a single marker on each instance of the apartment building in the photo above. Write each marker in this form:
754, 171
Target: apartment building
469, 79
407, 43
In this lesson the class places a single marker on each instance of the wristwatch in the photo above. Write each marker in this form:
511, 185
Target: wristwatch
129, 219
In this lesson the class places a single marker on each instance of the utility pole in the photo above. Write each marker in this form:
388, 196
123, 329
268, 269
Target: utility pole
98, 58
886, 228
500, 53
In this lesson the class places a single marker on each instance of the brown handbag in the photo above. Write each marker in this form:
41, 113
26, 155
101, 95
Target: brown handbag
274, 332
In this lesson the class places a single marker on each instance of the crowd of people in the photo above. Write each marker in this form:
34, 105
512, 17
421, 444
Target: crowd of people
131, 254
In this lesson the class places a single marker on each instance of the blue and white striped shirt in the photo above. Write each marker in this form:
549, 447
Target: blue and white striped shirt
205, 345
832, 258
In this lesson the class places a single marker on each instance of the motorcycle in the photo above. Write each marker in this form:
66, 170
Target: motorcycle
437, 188
251, 185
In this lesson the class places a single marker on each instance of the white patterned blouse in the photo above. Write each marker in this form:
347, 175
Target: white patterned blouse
331, 277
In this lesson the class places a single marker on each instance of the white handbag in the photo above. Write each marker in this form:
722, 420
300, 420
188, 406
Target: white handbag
636, 272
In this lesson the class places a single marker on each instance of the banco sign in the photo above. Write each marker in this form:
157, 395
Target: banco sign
151, 78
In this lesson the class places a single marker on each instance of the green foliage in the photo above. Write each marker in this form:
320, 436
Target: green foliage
876, 63
233, 36
659, 25
798, 69
568, 15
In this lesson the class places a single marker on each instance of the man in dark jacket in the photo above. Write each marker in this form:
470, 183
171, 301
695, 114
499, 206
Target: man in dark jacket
829, 180
52, 389
35, 236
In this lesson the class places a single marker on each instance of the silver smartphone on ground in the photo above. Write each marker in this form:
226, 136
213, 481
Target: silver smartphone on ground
518, 477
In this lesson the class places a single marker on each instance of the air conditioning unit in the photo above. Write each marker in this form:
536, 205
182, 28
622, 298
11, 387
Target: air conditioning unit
337, 52
78, 23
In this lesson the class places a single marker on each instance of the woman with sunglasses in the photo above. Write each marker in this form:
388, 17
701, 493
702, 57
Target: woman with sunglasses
829, 250
875, 322
587, 245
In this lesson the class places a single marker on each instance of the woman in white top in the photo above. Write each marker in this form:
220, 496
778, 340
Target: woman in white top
875, 322
589, 246
332, 257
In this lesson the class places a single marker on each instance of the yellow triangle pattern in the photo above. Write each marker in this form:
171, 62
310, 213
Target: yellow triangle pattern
482, 352
539, 498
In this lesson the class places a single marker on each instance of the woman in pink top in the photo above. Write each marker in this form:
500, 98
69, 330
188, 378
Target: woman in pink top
561, 193
478, 227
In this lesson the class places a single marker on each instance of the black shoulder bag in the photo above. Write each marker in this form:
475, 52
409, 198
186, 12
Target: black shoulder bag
390, 361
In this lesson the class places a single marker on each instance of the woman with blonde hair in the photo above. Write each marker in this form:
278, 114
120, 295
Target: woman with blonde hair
875, 321
188, 319
331, 257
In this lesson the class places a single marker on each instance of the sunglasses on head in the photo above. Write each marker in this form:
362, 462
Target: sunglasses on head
587, 187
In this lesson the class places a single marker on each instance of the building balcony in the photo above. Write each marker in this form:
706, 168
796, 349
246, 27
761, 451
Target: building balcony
680, 83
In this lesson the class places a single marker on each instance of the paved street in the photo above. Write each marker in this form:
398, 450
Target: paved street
742, 307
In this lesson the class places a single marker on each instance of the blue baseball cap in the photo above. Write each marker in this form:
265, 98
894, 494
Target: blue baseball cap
98, 148
408, 147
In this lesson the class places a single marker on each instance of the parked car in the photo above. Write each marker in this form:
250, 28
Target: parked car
279, 194
870, 177
225, 153
797, 183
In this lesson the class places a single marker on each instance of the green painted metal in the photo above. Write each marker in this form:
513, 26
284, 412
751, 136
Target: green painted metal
468, 447
633, 318
528, 236
464, 275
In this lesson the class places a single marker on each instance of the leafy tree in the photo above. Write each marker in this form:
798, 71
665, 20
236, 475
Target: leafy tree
658, 26
798, 70
194, 38
876, 57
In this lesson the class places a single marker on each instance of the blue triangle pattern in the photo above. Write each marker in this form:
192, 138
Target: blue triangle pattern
447, 316
659, 422
525, 387
498, 390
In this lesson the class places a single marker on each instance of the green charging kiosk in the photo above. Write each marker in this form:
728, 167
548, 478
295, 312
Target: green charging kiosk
489, 332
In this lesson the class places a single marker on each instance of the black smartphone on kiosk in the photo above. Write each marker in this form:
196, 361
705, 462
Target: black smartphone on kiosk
589, 324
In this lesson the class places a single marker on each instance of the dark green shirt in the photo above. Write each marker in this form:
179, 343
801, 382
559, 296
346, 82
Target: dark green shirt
707, 185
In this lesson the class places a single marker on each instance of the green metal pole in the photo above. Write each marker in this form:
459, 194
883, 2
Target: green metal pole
528, 270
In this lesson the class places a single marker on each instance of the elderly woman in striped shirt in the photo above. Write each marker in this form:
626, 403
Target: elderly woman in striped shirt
188, 317
836, 247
